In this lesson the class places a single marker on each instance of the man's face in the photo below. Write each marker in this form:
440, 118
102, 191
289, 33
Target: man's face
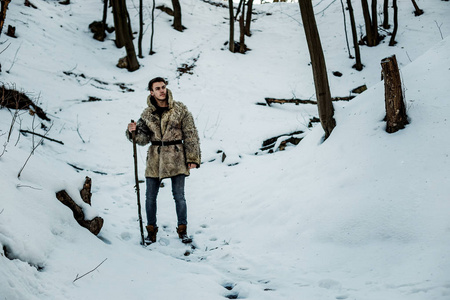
159, 91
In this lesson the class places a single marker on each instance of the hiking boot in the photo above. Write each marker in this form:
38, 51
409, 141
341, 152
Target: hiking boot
152, 231
182, 234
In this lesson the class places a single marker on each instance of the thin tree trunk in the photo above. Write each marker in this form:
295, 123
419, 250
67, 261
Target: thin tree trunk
141, 28
123, 33
153, 29
323, 95
367, 22
345, 29
396, 117
242, 34
374, 23
177, 15
105, 14
358, 66
386, 14
118, 23
392, 42
231, 43
249, 18
417, 11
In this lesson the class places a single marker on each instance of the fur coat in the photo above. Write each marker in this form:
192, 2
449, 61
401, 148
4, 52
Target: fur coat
174, 124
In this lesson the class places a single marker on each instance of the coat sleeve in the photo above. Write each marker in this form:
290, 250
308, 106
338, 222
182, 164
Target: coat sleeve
191, 140
143, 133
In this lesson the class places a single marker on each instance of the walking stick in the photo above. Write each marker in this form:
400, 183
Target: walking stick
137, 185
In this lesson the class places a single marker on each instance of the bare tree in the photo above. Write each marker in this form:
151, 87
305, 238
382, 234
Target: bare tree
323, 95
386, 14
358, 65
417, 11
141, 28
392, 42
177, 15
124, 36
370, 22
248, 20
153, 29
231, 40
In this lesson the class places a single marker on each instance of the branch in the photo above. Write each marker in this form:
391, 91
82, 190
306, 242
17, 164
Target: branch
42, 136
32, 151
79, 277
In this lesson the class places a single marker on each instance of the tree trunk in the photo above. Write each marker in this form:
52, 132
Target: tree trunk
345, 30
374, 23
242, 30
392, 42
249, 18
123, 33
153, 29
242, 34
386, 14
358, 65
367, 22
231, 43
141, 28
177, 15
105, 14
417, 11
324, 104
396, 117
119, 18
4, 7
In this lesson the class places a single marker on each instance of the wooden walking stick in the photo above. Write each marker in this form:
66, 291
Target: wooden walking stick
137, 185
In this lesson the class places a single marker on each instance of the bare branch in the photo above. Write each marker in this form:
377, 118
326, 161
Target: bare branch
32, 151
79, 277
42, 136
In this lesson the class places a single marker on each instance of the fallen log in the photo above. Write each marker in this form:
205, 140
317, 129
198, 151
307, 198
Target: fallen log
269, 101
94, 225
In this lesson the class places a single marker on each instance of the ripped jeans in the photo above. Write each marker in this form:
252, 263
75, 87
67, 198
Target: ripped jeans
151, 194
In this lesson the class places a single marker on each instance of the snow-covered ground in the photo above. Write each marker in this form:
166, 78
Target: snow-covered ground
363, 215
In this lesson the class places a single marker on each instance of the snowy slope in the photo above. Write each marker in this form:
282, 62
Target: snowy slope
360, 216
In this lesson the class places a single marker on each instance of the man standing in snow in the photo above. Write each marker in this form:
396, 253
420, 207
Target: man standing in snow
175, 149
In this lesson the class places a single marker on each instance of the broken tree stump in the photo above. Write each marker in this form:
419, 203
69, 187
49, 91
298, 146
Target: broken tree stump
396, 117
85, 192
94, 225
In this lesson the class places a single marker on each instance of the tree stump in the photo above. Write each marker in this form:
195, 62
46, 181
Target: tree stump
94, 225
396, 117
85, 192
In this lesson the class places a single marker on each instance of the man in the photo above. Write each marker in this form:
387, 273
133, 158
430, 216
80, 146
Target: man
175, 149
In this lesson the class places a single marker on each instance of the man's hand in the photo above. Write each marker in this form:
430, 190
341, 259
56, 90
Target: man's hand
192, 166
132, 126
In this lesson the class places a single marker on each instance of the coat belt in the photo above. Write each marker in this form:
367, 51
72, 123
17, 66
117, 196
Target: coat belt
168, 143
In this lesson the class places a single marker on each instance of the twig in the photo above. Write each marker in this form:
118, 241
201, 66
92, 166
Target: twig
14, 60
42, 136
78, 131
28, 186
439, 27
2, 211
32, 151
79, 277
5, 48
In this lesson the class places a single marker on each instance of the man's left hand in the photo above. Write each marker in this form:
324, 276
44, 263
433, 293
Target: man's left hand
192, 166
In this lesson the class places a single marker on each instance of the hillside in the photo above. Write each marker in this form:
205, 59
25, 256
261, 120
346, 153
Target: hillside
363, 215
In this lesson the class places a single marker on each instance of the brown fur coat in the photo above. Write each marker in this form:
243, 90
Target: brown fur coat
176, 123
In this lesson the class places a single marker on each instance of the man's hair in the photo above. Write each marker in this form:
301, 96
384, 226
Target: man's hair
156, 79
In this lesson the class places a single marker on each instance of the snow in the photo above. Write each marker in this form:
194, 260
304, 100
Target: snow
363, 215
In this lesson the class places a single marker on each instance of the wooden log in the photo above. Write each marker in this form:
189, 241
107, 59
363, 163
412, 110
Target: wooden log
396, 117
94, 225
269, 101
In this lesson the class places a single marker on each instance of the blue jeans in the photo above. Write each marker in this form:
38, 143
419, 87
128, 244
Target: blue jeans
178, 195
